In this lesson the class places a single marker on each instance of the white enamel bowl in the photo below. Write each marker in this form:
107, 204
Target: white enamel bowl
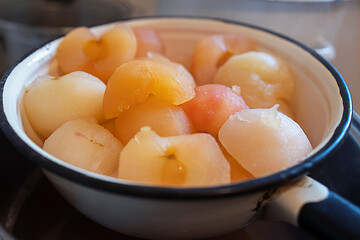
323, 108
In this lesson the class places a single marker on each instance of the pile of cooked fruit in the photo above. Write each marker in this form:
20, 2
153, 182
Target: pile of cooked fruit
123, 109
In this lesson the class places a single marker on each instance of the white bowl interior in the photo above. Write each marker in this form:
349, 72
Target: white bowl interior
317, 102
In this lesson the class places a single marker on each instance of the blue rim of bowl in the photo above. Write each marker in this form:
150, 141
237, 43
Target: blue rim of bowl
228, 190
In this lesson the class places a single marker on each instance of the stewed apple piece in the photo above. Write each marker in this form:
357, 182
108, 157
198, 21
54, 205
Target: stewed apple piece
134, 81
110, 126
284, 107
28, 128
187, 160
81, 50
264, 141
148, 40
85, 144
212, 106
238, 173
264, 80
163, 117
179, 67
212, 52
49, 102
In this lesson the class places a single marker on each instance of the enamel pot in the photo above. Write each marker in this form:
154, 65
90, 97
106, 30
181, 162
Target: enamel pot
322, 106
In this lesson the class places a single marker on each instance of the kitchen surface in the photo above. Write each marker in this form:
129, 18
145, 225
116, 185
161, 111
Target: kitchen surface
31, 208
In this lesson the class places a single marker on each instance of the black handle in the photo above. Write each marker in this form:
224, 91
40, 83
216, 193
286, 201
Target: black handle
332, 218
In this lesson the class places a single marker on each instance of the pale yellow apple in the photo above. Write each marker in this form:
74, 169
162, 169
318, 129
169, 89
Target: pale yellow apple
187, 160
50, 102
264, 141
85, 144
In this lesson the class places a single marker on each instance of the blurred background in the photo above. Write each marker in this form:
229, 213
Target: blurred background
331, 26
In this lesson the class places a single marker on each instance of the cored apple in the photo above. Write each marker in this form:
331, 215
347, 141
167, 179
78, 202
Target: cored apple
264, 141
49, 102
187, 160
85, 144
81, 50
134, 81
163, 117
212, 106
148, 40
212, 52
264, 80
